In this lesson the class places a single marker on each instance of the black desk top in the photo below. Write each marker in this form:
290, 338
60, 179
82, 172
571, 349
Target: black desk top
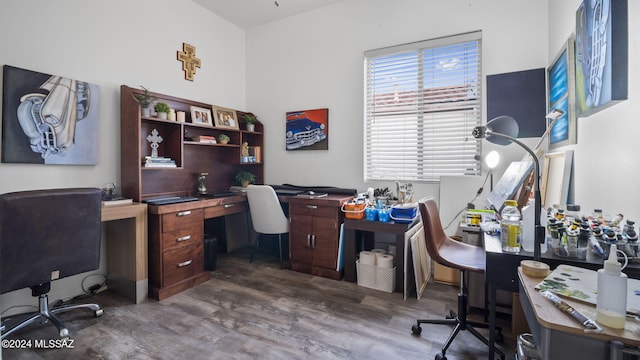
493, 248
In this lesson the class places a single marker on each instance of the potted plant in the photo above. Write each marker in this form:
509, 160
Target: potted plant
245, 178
145, 99
162, 109
251, 121
224, 139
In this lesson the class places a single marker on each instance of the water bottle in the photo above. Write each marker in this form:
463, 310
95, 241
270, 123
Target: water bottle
510, 227
611, 305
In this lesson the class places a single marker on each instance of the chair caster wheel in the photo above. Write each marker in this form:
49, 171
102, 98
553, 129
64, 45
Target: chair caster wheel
416, 330
451, 315
440, 356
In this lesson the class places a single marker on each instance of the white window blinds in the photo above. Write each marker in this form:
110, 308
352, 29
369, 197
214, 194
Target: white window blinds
422, 101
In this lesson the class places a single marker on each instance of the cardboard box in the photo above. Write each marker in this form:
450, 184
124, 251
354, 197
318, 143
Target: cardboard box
445, 275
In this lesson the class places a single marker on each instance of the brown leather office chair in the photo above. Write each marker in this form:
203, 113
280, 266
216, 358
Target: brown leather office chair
456, 255
47, 235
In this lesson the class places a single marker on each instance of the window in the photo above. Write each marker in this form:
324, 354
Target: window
422, 101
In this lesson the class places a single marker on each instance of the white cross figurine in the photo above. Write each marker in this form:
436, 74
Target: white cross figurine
154, 139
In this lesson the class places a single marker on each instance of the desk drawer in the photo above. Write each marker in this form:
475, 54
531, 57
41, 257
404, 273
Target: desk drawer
182, 220
182, 263
183, 237
313, 210
225, 209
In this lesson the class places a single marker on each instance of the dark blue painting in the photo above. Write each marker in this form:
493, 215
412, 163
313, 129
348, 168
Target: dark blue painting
561, 97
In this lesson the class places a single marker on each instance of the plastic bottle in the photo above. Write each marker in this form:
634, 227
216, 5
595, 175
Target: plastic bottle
528, 228
510, 227
611, 306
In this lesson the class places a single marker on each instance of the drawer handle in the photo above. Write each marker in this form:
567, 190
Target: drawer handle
226, 206
184, 213
183, 238
313, 207
308, 240
185, 263
313, 241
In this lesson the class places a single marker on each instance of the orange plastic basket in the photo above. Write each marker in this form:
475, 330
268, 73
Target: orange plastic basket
353, 210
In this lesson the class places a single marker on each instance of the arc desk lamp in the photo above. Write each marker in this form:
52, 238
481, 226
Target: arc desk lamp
503, 130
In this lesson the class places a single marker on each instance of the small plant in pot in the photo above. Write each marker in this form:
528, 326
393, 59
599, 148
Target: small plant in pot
251, 121
245, 178
162, 109
224, 139
145, 99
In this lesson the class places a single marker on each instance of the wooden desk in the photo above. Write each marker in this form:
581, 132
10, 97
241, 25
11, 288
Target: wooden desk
314, 234
176, 242
176, 237
501, 273
559, 336
126, 231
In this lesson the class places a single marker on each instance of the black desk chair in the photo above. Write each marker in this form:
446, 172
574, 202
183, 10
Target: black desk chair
456, 255
47, 235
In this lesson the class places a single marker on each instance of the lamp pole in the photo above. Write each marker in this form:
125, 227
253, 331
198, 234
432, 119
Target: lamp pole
539, 234
539, 230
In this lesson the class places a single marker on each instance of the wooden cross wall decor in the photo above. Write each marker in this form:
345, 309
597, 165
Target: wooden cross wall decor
189, 61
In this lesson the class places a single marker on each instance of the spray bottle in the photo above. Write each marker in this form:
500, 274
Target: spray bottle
611, 306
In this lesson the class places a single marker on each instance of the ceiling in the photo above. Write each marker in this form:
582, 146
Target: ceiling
250, 13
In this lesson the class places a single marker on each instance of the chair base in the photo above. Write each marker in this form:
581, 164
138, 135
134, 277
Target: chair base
460, 323
45, 314
253, 251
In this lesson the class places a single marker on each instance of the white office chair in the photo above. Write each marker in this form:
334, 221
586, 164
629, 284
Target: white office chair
267, 215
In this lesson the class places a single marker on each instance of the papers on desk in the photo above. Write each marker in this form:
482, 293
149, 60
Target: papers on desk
312, 194
582, 284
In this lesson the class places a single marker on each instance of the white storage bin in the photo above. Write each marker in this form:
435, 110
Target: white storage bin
375, 277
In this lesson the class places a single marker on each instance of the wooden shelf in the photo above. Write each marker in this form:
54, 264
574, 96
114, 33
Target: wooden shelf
221, 161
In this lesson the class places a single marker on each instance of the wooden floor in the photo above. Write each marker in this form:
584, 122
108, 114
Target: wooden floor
257, 311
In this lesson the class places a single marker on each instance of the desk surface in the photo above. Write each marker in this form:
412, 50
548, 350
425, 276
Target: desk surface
551, 317
501, 272
332, 199
127, 250
559, 336
493, 247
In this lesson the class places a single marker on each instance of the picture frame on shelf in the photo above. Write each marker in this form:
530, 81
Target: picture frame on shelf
225, 118
201, 116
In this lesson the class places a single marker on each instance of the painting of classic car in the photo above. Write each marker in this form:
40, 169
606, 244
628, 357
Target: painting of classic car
48, 119
307, 130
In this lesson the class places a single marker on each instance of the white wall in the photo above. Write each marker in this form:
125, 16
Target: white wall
315, 60
110, 43
606, 163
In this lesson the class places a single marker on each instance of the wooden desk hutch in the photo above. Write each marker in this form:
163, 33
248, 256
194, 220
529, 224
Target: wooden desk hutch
176, 250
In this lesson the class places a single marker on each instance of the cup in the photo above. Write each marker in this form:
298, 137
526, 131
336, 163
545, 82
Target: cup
384, 214
371, 214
